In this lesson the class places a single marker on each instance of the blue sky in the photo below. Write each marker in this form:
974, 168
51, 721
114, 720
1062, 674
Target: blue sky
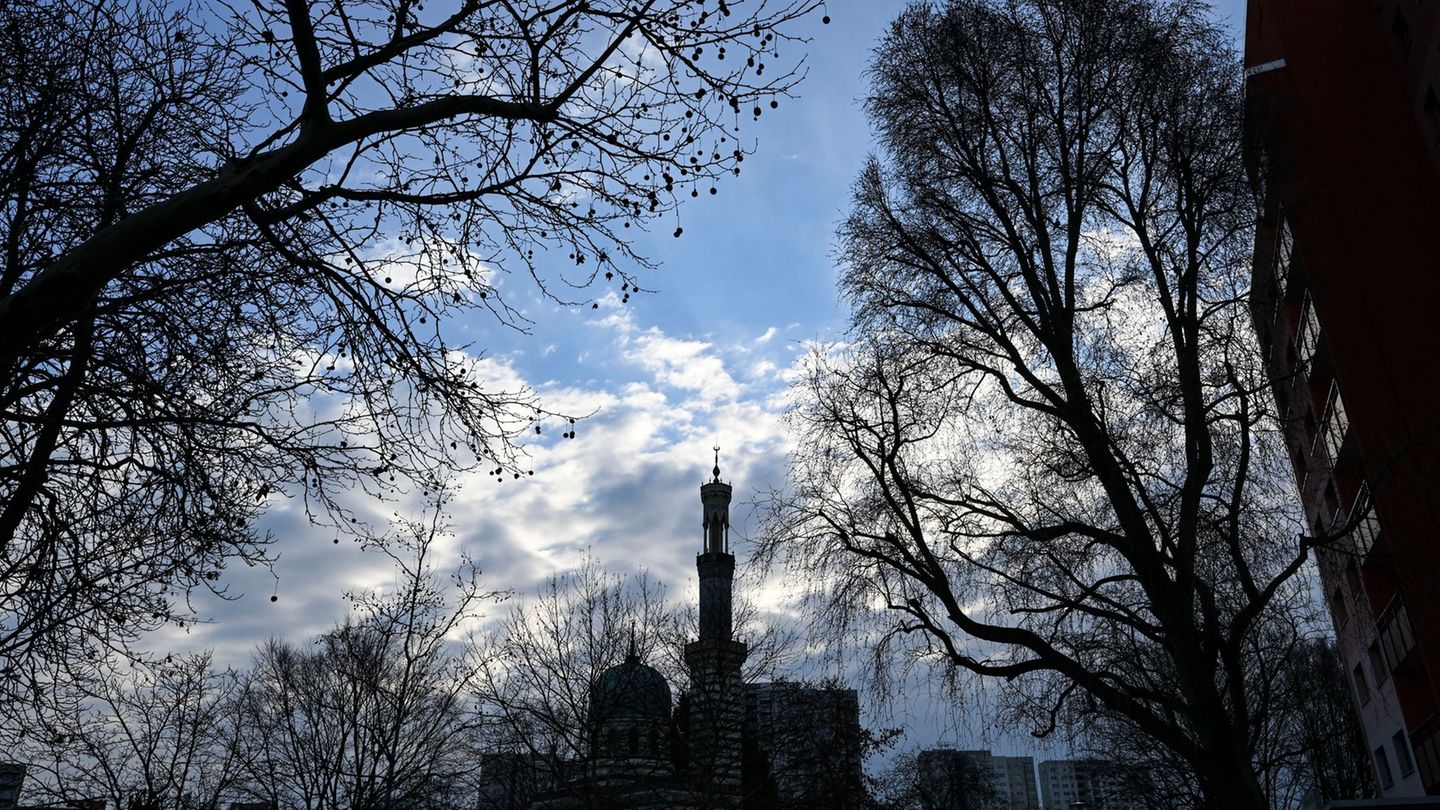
703, 360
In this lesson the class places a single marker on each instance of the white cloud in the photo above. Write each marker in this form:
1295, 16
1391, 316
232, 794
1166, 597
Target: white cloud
626, 488
686, 364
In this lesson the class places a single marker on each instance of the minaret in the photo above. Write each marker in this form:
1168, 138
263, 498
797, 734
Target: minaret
717, 695
716, 563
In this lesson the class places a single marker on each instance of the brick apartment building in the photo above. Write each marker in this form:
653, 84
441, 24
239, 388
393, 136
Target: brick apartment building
1343, 99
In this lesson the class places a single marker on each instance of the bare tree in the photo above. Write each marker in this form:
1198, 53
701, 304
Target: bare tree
378, 714
1324, 731
804, 747
150, 737
1310, 748
1048, 450
232, 236
550, 649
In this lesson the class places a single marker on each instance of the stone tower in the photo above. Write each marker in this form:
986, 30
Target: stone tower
717, 695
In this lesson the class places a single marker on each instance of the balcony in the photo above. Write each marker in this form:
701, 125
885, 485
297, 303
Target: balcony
1284, 245
1333, 427
1397, 639
1307, 337
1280, 267
1367, 527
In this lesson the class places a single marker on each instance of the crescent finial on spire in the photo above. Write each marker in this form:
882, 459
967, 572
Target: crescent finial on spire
717, 462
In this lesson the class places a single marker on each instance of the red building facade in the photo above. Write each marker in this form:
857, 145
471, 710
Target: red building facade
1343, 98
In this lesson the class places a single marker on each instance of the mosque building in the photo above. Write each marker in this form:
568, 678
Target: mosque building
729, 745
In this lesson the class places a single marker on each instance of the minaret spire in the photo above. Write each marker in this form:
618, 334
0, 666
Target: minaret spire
715, 495
716, 693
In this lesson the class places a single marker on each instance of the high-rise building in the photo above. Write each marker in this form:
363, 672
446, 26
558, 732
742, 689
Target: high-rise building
1015, 782
948, 779
976, 780
811, 739
1343, 106
1097, 783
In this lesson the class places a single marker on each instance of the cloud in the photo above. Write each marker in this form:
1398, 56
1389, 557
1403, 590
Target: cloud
686, 364
625, 489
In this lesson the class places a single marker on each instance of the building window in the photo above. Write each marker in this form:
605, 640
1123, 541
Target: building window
1337, 604
1427, 756
1367, 528
1335, 425
1362, 687
1307, 335
1335, 523
1403, 759
1397, 638
1284, 248
1377, 663
1352, 578
1382, 766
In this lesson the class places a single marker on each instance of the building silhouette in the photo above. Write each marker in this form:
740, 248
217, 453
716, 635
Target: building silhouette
1343, 107
729, 744
1098, 784
1015, 781
12, 779
807, 743
950, 779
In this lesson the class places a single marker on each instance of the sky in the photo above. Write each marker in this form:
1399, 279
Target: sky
702, 361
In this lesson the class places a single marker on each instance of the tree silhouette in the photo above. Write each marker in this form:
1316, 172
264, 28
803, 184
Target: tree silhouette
148, 736
233, 238
546, 654
1047, 450
549, 650
377, 713
940, 780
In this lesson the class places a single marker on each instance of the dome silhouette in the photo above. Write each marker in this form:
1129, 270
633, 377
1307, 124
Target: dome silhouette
630, 690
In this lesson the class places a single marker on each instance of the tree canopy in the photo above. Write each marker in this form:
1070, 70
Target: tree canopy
234, 238
1047, 450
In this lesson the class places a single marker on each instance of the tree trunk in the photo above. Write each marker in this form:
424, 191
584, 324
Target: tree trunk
1235, 789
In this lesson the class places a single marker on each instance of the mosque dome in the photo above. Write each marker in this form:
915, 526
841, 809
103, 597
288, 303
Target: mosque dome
630, 690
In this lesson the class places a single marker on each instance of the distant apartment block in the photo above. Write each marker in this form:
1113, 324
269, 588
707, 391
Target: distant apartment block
976, 780
1097, 783
12, 784
512, 781
1015, 781
812, 738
